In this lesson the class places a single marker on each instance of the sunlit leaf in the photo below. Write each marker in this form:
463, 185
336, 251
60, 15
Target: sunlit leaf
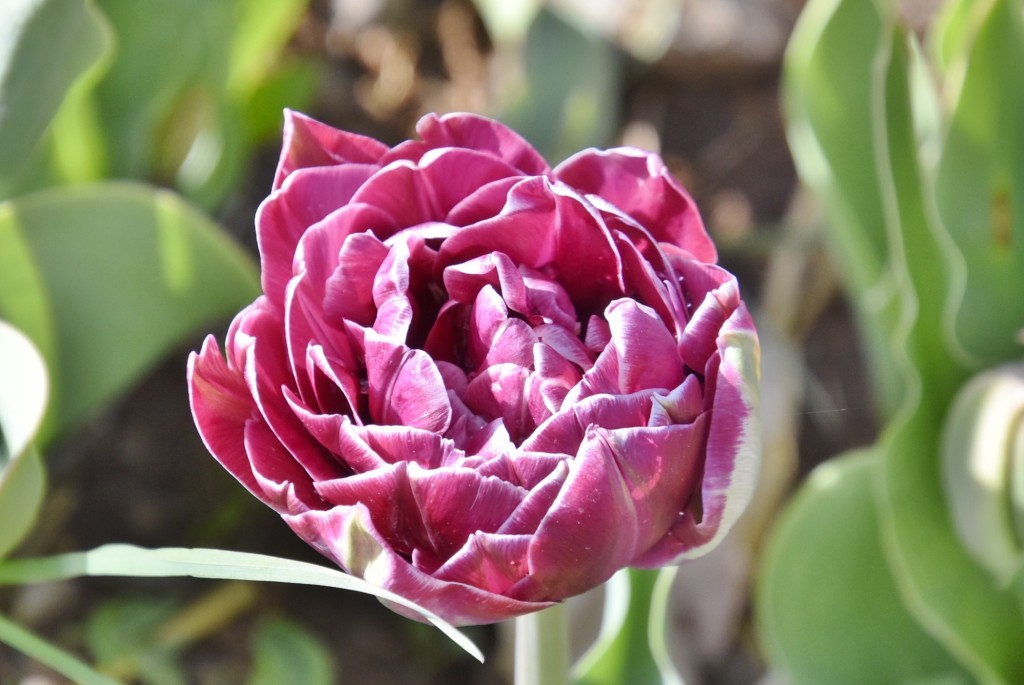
24, 390
127, 560
828, 607
128, 271
44, 46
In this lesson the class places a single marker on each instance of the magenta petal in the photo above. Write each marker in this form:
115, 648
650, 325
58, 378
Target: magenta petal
646, 350
402, 443
500, 391
513, 344
346, 535
572, 550
682, 405
308, 196
732, 456
221, 405
528, 516
698, 341
348, 293
563, 432
391, 295
309, 143
457, 502
479, 133
285, 484
638, 183
489, 561
405, 387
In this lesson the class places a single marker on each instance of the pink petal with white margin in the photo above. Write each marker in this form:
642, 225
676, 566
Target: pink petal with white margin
638, 183
700, 337
308, 196
645, 348
310, 143
405, 387
347, 535
625, 487
480, 133
733, 452
221, 404
488, 560
457, 502
286, 485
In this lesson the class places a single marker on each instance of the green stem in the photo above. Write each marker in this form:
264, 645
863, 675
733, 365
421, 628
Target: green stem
542, 647
37, 648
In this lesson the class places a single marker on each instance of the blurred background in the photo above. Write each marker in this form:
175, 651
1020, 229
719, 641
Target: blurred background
191, 98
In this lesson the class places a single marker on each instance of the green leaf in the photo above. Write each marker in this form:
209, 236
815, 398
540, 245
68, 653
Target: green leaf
122, 636
828, 97
827, 606
945, 590
127, 560
24, 390
261, 30
42, 651
631, 644
44, 46
285, 652
128, 271
563, 110
980, 183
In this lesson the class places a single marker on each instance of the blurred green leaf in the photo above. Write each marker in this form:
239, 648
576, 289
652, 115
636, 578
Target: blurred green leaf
945, 590
122, 636
980, 182
285, 652
24, 390
828, 96
42, 651
129, 272
828, 607
261, 30
128, 560
631, 644
566, 109
44, 46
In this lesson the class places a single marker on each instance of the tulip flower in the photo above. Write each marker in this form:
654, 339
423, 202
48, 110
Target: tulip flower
477, 381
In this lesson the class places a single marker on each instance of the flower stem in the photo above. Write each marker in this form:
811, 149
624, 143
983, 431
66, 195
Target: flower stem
542, 648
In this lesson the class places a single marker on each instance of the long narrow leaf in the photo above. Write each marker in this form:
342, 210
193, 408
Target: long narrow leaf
42, 651
128, 560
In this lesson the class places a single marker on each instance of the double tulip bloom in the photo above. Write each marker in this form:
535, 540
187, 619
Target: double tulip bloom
479, 382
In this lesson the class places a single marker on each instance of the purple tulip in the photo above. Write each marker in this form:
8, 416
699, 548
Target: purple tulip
479, 382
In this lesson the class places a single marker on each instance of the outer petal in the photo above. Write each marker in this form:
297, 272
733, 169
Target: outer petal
480, 133
347, 535
309, 143
221, 405
733, 453
307, 196
638, 183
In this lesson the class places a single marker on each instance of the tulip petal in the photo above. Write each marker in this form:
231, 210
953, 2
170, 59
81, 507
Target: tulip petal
221, 405
733, 449
488, 560
474, 132
310, 143
639, 184
308, 195
348, 293
346, 533
405, 387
